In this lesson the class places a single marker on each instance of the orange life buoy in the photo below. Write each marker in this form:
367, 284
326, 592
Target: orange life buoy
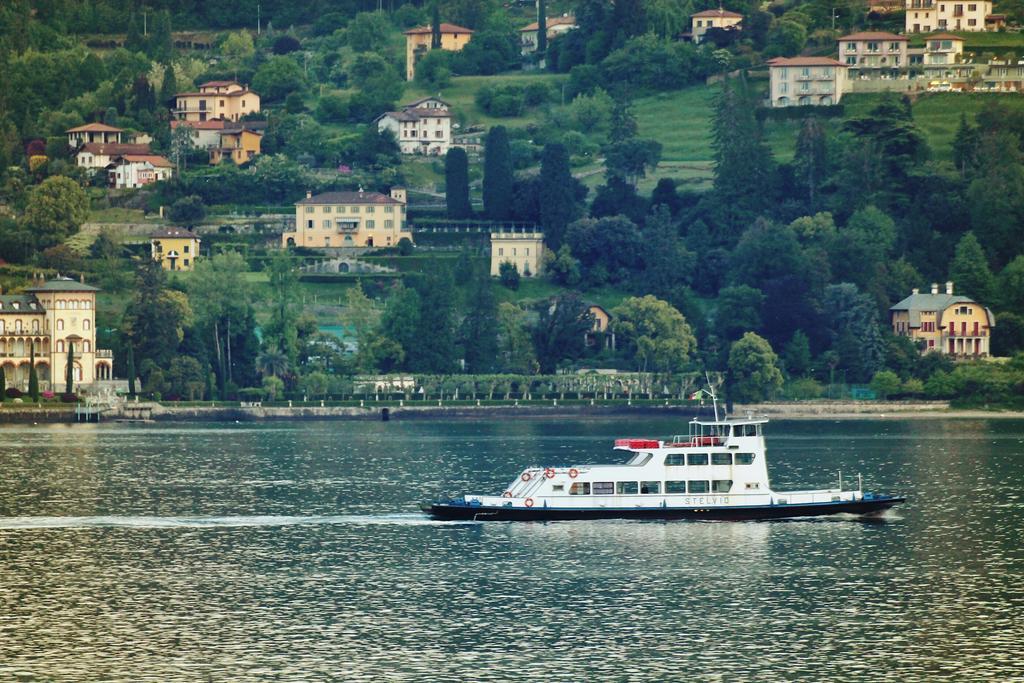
507, 494
573, 473
525, 476
528, 502
549, 472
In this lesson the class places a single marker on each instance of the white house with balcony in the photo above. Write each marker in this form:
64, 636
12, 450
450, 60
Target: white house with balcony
806, 81
421, 127
925, 16
873, 54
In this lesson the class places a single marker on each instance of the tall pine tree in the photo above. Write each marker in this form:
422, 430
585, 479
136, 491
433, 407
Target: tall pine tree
498, 177
169, 86
456, 177
743, 163
69, 370
33, 376
969, 270
965, 147
811, 159
435, 26
558, 206
542, 28
479, 331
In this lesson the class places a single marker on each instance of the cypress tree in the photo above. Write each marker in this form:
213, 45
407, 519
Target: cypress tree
542, 28
744, 166
69, 371
497, 175
811, 159
33, 378
169, 87
3, 385
456, 177
965, 147
134, 42
131, 371
558, 205
435, 27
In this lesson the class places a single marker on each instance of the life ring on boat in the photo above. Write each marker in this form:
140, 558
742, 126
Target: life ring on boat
507, 494
528, 502
573, 473
549, 472
525, 476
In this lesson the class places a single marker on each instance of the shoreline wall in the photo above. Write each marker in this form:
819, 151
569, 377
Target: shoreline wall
155, 412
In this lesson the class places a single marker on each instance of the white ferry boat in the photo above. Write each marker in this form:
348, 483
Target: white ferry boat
717, 471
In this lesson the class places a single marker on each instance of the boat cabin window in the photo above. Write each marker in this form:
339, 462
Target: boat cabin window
650, 487
753, 487
625, 488
744, 458
604, 488
721, 485
558, 487
721, 458
748, 430
698, 487
640, 459
675, 459
697, 459
580, 488
675, 487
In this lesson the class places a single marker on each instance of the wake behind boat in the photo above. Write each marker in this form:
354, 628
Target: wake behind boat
717, 471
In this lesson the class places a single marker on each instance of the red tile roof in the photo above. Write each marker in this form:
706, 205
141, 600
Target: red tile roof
349, 198
217, 84
153, 159
804, 61
95, 128
235, 93
552, 21
211, 124
113, 149
445, 28
874, 35
173, 232
716, 13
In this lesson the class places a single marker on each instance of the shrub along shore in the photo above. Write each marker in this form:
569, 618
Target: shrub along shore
514, 409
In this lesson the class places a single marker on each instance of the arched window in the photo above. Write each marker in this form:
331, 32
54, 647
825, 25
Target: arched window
86, 324
60, 346
86, 304
35, 325
17, 326
60, 324
85, 346
74, 304
1, 326
61, 303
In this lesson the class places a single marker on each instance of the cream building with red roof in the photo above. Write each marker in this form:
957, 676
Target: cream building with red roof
421, 127
700, 22
556, 26
334, 220
93, 133
418, 43
873, 50
227, 100
806, 81
129, 171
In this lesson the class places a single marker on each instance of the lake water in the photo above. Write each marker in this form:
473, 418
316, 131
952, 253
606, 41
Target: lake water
295, 552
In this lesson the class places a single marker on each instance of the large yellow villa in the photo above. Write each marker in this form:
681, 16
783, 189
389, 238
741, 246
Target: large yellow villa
954, 325
349, 219
418, 42
52, 316
226, 100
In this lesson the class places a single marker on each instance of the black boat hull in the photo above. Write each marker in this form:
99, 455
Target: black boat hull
457, 510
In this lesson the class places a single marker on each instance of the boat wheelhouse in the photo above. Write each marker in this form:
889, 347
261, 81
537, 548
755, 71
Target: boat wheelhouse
718, 470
